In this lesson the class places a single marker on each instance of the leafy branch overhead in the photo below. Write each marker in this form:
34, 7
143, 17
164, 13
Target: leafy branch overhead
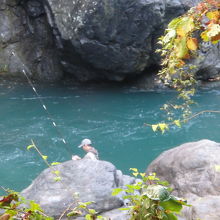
179, 45
181, 39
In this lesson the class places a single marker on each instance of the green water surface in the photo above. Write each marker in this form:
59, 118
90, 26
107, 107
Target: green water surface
112, 116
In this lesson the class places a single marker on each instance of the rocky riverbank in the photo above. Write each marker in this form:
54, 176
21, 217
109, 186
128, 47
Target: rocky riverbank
89, 40
192, 169
92, 179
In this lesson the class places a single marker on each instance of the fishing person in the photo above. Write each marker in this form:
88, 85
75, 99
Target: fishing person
86, 146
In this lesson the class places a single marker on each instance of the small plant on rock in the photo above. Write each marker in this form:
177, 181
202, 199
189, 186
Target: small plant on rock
91, 214
150, 199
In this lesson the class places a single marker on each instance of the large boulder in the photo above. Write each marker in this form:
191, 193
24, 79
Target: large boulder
93, 180
193, 171
117, 214
114, 38
90, 39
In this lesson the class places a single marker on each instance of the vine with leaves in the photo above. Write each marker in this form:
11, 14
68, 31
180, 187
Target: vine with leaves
179, 45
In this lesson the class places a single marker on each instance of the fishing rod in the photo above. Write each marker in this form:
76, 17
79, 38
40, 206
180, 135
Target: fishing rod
67, 147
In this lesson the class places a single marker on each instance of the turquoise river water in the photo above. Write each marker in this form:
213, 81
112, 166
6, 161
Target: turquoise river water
113, 117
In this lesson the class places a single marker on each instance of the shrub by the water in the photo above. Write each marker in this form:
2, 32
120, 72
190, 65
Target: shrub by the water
150, 199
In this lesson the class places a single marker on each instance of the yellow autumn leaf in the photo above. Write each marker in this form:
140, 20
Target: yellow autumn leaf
44, 157
163, 127
212, 34
217, 168
56, 179
30, 146
56, 172
154, 127
180, 63
135, 174
192, 43
181, 48
177, 123
181, 32
54, 163
143, 174
204, 36
185, 26
213, 15
214, 29
134, 169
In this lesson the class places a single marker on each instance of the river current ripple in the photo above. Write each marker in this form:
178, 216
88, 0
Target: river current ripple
112, 117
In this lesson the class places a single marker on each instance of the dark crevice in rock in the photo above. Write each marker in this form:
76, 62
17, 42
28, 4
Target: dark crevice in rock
51, 21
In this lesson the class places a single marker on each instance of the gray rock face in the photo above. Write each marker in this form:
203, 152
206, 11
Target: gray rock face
116, 214
115, 37
208, 62
92, 179
205, 208
90, 39
193, 171
24, 31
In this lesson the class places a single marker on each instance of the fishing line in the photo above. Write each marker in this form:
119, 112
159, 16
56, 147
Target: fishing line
44, 107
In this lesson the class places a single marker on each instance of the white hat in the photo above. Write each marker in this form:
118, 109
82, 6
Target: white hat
85, 142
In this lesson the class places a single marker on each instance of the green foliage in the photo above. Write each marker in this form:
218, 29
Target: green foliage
150, 199
82, 207
179, 45
179, 41
14, 206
